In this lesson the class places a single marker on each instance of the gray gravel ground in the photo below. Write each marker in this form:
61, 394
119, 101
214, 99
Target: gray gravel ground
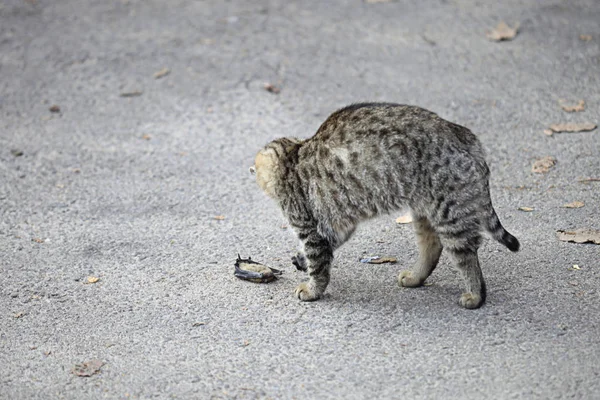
126, 189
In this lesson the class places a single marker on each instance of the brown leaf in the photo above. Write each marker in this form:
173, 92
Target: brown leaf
502, 32
219, 217
580, 106
583, 180
162, 73
574, 204
573, 127
582, 235
87, 368
146, 137
383, 260
404, 219
585, 38
54, 109
134, 93
91, 279
543, 164
38, 240
526, 209
269, 87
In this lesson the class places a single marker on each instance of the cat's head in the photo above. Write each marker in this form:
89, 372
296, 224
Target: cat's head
272, 163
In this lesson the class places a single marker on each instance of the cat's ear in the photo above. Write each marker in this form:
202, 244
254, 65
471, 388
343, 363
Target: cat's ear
267, 170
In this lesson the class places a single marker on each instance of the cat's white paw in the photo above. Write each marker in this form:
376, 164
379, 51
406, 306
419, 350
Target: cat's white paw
306, 292
407, 279
470, 300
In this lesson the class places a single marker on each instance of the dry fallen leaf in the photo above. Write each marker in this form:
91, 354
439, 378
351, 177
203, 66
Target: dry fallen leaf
146, 137
404, 219
580, 106
134, 93
219, 217
526, 209
585, 38
582, 235
162, 73
573, 127
87, 368
54, 109
272, 88
584, 180
38, 240
380, 260
543, 164
502, 32
91, 279
574, 204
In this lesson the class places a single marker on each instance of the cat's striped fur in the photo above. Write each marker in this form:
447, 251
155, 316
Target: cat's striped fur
374, 158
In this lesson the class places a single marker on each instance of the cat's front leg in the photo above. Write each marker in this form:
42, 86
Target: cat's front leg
319, 255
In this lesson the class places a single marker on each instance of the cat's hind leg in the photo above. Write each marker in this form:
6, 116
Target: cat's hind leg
319, 255
463, 251
430, 249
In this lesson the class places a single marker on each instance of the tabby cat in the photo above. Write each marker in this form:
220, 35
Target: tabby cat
374, 158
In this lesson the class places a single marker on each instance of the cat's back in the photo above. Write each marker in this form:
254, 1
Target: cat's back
359, 121
371, 128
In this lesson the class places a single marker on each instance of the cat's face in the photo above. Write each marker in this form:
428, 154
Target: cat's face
268, 164
265, 169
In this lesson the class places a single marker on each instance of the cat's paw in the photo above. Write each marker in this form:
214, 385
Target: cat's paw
306, 292
299, 261
470, 300
407, 279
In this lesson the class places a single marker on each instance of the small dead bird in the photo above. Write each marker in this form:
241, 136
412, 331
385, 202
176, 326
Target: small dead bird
253, 271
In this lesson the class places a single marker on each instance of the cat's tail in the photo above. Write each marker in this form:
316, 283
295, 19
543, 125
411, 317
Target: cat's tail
495, 228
